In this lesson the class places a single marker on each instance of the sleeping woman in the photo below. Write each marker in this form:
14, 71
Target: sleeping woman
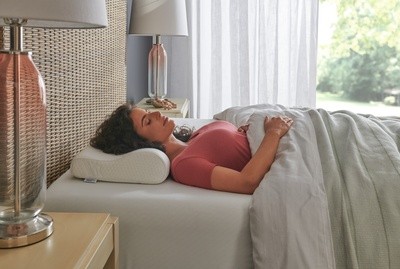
217, 156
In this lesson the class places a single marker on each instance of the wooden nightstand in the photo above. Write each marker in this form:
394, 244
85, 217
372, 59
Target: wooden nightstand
181, 111
79, 240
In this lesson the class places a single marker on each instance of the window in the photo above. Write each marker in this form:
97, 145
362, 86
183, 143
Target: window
359, 56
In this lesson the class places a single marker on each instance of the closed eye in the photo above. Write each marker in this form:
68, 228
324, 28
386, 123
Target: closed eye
145, 119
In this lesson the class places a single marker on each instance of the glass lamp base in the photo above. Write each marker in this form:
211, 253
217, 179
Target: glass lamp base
25, 233
157, 80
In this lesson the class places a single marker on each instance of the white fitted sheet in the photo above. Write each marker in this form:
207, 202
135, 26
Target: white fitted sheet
169, 225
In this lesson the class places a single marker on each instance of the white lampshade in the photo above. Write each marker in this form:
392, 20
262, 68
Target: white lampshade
56, 13
158, 17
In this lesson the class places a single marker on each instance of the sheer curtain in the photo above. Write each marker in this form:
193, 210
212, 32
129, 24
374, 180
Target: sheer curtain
245, 52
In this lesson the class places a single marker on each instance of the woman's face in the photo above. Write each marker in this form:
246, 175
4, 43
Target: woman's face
152, 125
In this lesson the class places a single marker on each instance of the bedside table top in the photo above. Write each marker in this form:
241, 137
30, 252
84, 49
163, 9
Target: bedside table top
181, 110
73, 243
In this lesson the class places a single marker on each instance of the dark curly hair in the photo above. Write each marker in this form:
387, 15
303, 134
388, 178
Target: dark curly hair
116, 135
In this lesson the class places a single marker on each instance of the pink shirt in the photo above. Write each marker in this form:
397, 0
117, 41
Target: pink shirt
215, 144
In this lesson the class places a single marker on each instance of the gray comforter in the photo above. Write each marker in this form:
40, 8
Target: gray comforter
332, 197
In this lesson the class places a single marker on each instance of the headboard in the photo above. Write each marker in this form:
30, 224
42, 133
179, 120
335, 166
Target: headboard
85, 77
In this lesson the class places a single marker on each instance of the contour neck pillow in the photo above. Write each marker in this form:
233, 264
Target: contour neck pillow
143, 166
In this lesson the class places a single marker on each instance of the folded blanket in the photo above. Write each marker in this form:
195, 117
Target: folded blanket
331, 198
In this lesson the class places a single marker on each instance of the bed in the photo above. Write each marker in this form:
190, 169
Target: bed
330, 200
167, 225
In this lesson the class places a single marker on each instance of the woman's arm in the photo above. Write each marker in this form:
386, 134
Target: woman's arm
247, 180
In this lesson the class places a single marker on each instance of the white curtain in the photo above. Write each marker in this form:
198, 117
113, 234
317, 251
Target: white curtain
242, 52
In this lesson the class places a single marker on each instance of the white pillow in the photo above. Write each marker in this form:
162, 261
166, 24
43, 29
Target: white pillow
145, 166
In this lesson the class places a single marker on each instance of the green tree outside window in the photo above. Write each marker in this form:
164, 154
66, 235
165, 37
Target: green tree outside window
362, 59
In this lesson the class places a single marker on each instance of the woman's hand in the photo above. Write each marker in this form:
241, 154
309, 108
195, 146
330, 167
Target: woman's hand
277, 125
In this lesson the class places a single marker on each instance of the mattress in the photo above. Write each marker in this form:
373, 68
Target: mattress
168, 225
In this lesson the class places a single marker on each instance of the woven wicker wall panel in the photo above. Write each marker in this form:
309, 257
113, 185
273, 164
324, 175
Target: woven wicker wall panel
85, 78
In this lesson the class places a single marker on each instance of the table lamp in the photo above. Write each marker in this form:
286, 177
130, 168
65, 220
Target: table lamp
23, 115
156, 18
